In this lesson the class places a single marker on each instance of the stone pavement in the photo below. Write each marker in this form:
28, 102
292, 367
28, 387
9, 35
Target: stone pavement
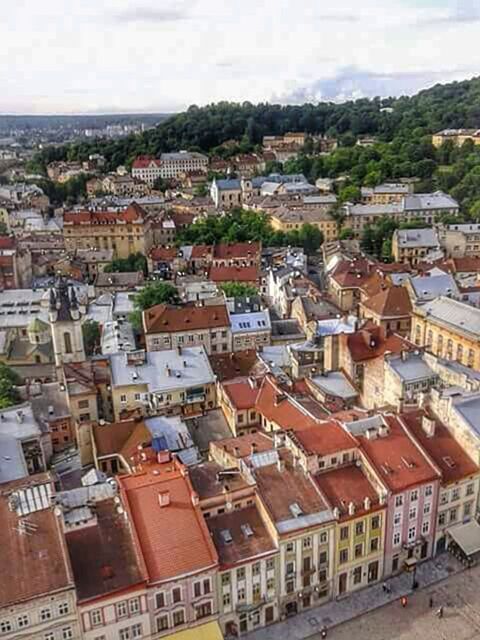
310, 622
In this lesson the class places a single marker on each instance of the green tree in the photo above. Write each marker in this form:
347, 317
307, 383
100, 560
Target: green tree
155, 293
238, 289
349, 194
310, 237
346, 234
134, 262
91, 336
9, 380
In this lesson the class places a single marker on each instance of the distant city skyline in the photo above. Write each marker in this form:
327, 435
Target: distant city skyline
122, 56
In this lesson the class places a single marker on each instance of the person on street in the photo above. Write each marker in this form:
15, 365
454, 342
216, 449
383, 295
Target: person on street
403, 601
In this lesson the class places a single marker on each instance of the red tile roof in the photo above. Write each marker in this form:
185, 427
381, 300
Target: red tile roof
143, 162
133, 213
371, 342
174, 539
326, 438
241, 447
169, 319
276, 405
242, 393
164, 253
7, 242
233, 274
103, 556
36, 564
227, 366
344, 485
443, 449
237, 250
352, 273
466, 265
243, 547
201, 251
390, 302
399, 461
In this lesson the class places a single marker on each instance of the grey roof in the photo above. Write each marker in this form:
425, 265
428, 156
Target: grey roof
122, 303
248, 322
125, 279
329, 198
412, 368
17, 424
411, 238
387, 187
375, 209
177, 437
117, 336
469, 409
425, 201
335, 326
359, 427
164, 370
455, 314
335, 383
229, 184
429, 287
464, 228
183, 155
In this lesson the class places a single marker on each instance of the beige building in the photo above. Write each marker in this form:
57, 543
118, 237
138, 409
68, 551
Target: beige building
125, 232
162, 382
286, 220
386, 193
37, 590
448, 328
169, 327
415, 245
460, 240
237, 400
457, 136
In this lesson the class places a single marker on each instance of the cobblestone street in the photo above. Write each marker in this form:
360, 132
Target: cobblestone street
460, 597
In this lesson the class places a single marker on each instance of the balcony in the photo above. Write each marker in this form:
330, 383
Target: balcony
194, 398
252, 606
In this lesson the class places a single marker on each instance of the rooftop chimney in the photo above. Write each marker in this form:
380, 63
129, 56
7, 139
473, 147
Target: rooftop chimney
164, 498
253, 448
428, 425
351, 509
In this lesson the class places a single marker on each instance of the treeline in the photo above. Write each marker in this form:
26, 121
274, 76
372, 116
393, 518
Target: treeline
204, 128
242, 226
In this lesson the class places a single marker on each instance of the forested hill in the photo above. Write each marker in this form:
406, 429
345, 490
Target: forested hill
204, 128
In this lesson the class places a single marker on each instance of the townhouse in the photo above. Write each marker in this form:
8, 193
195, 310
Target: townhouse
415, 245
449, 329
386, 193
169, 327
457, 136
412, 483
459, 488
237, 399
407, 376
162, 382
286, 220
460, 240
175, 546
390, 308
125, 232
37, 592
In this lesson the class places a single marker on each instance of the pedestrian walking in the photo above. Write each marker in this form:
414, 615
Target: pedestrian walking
430, 602
403, 601
440, 612
323, 632
384, 587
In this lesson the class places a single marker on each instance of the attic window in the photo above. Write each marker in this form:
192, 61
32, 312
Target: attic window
247, 530
226, 536
296, 510
450, 462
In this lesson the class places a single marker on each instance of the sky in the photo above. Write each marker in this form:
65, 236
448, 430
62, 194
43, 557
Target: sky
131, 56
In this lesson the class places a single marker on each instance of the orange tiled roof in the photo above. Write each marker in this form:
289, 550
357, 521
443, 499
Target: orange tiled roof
164, 253
242, 393
133, 213
237, 250
390, 302
326, 438
441, 447
371, 342
399, 462
276, 405
169, 319
344, 485
174, 539
233, 273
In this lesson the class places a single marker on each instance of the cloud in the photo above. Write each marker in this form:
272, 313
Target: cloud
152, 15
463, 12
352, 83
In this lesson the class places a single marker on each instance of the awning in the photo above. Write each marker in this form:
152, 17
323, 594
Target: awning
467, 536
209, 631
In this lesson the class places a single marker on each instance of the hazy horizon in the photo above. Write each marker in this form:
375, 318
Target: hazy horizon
120, 57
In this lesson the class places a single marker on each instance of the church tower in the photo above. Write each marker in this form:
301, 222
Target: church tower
66, 322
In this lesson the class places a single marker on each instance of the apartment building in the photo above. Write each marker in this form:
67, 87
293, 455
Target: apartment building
125, 232
456, 136
175, 546
168, 327
237, 400
460, 240
448, 328
391, 309
169, 165
386, 193
412, 482
162, 382
415, 246
459, 487
37, 592
286, 220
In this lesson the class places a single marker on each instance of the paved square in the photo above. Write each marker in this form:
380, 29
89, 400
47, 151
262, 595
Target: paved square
460, 597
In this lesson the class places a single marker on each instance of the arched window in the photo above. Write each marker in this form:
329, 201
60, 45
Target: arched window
67, 338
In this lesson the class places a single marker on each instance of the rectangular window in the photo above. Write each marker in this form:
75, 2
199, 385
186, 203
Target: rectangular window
178, 618
357, 575
442, 518
397, 518
67, 633
270, 564
162, 623
241, 594
427, 507
23, 621
343, 556
203, 611
412, 532
428, 490
136, 631
290, 547
467, 509
412, 514
45, 614
197, 589
307, 543
375, 522
241, 573
396, 539
470, 489
453, 514
425, 527
323, 537
5, 626
414, 495
63, 609
359, 528
358, 550
398, 501
455, 494
177, 594
256, 569
96, 617
444, 497
121, 609
159, 600
206, 586
134, 605
344, 533
374, 545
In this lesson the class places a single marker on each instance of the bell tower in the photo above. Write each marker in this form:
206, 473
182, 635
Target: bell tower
66, 323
